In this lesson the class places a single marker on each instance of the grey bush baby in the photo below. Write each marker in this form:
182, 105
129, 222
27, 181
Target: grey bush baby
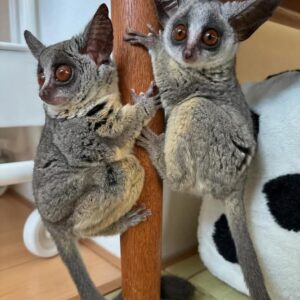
86, 179
209, 140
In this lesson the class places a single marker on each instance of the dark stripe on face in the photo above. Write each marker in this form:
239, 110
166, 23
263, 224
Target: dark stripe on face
96, 109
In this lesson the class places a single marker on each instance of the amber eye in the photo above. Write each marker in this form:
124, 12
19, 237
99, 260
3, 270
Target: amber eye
210, 37
41, 79
63, 73
179, 33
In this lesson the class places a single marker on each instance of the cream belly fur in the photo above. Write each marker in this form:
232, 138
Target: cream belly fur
97, 217
177, 130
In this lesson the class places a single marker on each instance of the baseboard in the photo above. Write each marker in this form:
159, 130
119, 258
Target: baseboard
99, 250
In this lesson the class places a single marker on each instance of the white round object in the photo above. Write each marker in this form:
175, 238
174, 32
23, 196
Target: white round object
36, 238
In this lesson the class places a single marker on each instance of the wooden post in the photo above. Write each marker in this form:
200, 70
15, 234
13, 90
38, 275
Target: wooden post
140, 246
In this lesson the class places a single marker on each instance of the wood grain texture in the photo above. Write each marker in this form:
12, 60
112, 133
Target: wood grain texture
140, 246
12, 216
27, 277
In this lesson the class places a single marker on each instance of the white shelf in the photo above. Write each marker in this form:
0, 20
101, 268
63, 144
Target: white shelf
16, 172
13, 47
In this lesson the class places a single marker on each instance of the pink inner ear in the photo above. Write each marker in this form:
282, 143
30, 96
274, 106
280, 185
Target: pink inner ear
100, 36
95, 55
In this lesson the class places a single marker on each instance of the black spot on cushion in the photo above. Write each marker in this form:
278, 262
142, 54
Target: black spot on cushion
283, 199
255, 120
223, 240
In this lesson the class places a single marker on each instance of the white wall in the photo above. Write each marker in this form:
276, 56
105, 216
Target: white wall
19, 101
180, 221
61, 19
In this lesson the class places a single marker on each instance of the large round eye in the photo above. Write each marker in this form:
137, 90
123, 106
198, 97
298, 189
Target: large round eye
179, 33
210, 37
41, 78
63, 73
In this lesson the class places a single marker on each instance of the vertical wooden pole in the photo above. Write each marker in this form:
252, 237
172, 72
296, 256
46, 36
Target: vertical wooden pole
140, 246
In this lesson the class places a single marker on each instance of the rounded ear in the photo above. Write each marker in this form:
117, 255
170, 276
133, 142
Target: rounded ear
35, 46
247, 16
165, 9
99, 36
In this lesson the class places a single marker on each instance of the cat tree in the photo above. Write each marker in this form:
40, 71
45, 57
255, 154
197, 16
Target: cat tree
140, 246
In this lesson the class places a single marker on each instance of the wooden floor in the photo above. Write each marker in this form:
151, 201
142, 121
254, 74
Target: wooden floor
24, 276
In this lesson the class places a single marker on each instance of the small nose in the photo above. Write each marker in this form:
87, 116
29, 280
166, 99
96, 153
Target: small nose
187, 54
45, 94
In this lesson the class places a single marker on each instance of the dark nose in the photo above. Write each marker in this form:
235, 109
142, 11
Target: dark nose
187, 54
45, 94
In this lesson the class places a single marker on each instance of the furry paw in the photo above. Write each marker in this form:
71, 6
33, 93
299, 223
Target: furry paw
147, 101
148, 41
149, 140
137, 215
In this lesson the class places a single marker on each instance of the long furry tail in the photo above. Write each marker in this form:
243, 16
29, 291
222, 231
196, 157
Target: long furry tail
236, 214
71, 257
173, 288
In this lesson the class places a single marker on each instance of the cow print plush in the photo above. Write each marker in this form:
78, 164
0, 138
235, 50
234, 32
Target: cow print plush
272, 195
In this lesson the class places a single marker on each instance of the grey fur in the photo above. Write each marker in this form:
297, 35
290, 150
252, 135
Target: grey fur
209, 140
166, 8
86, 180
36, 47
